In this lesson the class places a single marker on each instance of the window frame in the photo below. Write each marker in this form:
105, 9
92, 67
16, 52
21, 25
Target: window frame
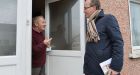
135, 53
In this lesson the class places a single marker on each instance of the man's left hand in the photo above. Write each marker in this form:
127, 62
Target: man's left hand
114, 72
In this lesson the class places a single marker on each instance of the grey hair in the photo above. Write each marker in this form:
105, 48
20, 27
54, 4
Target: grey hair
35, 20
96, 3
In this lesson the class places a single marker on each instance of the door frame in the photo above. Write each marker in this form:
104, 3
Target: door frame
28, 29
25, 32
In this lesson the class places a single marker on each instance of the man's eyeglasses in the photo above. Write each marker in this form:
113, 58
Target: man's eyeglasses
87, 7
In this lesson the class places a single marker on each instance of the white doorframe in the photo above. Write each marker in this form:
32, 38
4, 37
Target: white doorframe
82, 29
25, 30
26, 22
28, 30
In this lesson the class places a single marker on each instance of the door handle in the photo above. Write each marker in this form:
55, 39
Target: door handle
27, 22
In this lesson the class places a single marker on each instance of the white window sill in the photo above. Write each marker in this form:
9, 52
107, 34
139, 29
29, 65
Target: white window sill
135, 53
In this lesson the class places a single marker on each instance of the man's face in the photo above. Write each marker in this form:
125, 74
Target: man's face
88, 9
41, 24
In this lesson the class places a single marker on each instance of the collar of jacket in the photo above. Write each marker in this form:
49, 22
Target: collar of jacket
101, 14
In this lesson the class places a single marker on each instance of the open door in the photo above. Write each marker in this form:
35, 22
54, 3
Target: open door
15, 34
65, 24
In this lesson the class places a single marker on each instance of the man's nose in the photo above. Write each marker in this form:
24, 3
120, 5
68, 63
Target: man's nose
44, 25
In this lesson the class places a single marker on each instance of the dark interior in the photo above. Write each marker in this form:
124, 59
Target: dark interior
38, 7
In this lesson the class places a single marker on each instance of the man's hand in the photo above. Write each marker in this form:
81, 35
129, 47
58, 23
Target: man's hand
112, 72
47, 42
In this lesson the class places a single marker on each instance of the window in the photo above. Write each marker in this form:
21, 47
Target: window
8, 24
65, 25
135, 25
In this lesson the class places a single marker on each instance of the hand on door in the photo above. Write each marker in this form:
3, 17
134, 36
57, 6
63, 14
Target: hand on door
47, 42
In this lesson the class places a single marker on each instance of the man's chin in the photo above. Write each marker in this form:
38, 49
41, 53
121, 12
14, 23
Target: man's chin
86, 16
42, 30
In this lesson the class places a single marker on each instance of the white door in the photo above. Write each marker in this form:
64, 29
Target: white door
65, 20
15, 53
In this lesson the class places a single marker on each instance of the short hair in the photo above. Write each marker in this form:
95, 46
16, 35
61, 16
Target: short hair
35, 19
96, 3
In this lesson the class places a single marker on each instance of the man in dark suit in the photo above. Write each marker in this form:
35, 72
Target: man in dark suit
104, 40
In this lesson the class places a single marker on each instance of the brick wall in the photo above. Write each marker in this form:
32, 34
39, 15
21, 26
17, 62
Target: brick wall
120, 9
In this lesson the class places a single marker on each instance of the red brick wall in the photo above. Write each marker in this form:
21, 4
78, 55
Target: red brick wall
120, 9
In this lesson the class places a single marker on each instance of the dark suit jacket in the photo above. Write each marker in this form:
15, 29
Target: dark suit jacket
109, 46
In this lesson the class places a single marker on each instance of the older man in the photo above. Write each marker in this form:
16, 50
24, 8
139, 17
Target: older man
104, 40
39, 45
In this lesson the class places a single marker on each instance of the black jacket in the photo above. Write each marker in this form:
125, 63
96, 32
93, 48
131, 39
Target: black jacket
109, 46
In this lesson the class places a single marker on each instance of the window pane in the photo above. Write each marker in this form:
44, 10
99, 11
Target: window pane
65, 25
8, 24
135, 17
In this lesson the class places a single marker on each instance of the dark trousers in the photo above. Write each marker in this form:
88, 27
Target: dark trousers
38, 71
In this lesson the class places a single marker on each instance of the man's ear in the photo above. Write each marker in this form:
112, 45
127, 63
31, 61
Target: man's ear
36, 24
95, 8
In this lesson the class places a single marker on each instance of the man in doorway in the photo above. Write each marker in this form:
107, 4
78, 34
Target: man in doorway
104, 40
39, 45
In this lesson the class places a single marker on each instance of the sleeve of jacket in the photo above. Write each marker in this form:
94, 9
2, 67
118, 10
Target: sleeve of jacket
114, 34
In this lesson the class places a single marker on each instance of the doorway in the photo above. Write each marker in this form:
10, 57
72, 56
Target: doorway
38, 7
65, 24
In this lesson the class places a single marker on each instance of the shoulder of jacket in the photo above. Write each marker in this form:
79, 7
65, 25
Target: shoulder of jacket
108, 15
